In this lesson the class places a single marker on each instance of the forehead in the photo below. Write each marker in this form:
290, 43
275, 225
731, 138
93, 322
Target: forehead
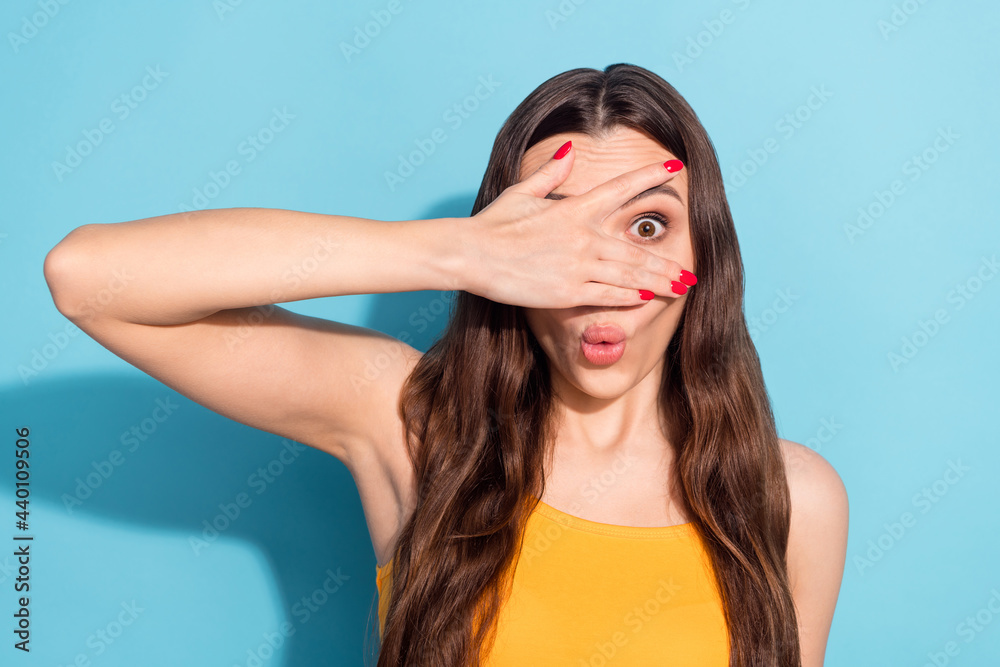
597, 159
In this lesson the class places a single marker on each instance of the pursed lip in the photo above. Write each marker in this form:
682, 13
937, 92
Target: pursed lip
603, 333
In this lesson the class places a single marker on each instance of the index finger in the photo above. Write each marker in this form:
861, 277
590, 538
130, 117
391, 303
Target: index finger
621, 190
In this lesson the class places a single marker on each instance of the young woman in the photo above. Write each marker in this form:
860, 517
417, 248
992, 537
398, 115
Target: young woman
584, 468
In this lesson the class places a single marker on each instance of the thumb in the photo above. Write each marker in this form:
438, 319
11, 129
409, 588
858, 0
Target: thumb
551, 174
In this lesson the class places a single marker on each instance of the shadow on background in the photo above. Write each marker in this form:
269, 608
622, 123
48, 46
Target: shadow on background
177, 461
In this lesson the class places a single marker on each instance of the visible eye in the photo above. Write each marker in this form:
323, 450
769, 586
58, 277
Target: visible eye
646, 228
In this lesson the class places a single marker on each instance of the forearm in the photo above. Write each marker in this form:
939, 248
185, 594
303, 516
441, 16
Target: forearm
179, 268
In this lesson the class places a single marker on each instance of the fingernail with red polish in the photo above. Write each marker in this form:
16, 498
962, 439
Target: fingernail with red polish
673, 165
561, 153
645, 294
678, 288
688, 278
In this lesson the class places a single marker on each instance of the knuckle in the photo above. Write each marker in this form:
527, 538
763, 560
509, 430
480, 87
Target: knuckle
654, 263
629, 276
579, 248
591, 241
620, 185
527, 207
584, 207
582, 243
636, 255
617, 296
567, 296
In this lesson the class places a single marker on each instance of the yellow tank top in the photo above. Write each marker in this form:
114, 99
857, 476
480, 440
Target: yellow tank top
585, 593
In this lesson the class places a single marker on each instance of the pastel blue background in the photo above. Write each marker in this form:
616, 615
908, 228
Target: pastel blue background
831, 306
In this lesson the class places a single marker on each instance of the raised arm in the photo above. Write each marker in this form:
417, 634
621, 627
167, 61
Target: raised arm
186, 298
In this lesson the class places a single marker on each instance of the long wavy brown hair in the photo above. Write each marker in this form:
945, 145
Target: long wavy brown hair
477, 411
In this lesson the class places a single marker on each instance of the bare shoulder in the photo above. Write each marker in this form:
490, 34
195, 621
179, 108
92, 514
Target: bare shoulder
817, 544
812, 480
818, 496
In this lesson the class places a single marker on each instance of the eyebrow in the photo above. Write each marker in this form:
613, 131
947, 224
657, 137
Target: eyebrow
659, 189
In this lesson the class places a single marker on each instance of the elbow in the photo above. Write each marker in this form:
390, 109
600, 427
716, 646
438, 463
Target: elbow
64, 270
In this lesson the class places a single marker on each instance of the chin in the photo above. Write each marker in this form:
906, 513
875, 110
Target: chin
605, 383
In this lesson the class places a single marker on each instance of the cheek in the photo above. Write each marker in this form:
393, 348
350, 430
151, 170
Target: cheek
552, 335
655, 317
656, 326
682, 251
541, 326
677, 246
